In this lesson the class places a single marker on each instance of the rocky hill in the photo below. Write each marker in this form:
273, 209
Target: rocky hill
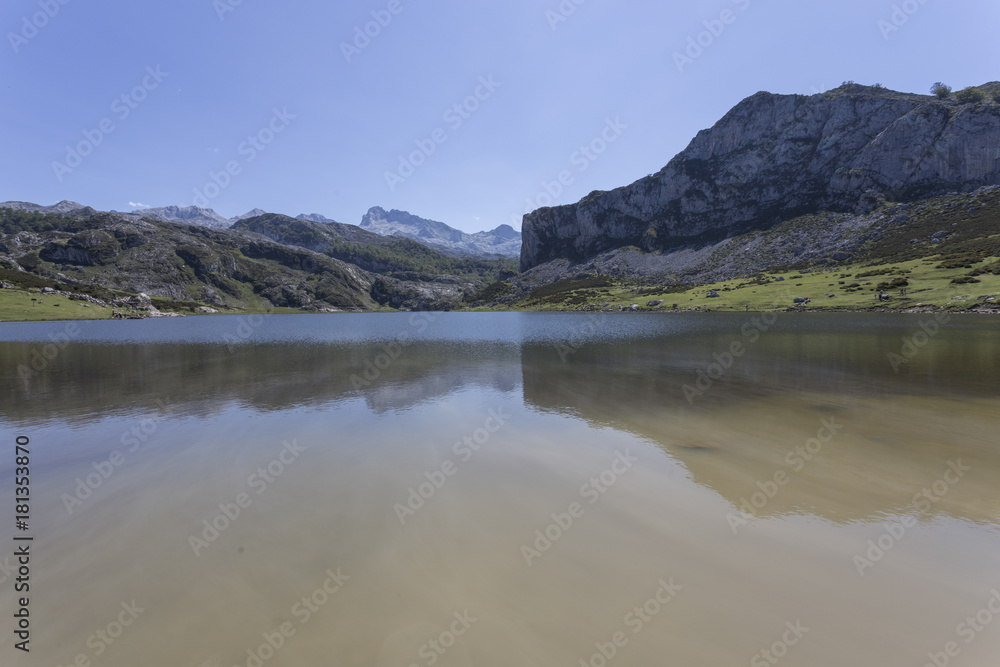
503, 241
261, 262
844, 154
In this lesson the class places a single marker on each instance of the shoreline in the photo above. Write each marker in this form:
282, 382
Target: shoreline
678, 312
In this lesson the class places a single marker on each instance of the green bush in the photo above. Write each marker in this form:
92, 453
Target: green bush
875, 272
12, 221
970, 95
996, 95
941, 90
491, 292
560, 288
895, 283
993, 268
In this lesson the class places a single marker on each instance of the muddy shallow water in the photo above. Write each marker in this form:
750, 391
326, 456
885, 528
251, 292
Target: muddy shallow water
507, 489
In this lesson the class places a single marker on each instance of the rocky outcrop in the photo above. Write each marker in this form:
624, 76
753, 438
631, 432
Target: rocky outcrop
776, 157
313, 217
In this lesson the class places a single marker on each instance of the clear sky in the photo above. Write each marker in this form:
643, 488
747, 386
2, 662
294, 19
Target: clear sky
313, 116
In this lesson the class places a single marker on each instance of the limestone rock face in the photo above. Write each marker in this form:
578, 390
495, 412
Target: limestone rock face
775, 157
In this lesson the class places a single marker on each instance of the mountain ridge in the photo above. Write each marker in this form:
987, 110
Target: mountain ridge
503, 241
773, 158
266, 261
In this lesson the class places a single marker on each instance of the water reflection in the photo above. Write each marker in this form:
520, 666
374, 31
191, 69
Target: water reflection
731, 433
376, 421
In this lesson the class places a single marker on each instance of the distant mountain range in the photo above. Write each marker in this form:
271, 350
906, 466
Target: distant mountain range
62, 208
260, 261
504, 241
188, 215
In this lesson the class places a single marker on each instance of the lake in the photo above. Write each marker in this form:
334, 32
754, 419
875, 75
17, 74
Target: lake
506, 489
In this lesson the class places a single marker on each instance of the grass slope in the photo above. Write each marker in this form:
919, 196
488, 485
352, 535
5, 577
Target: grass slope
17, 305
930, 284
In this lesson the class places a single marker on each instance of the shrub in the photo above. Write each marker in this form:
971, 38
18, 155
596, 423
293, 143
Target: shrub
970, 95
895, 283
996, 95
875, 272
965, 280
491, 292
941, 90
993, 268
560, 288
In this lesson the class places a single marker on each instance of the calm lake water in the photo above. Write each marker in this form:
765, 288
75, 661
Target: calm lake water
506, 489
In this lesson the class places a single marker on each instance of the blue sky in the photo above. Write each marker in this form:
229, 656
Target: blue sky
260, 104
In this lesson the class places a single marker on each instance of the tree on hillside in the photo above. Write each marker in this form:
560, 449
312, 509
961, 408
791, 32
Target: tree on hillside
941, 90
970, 95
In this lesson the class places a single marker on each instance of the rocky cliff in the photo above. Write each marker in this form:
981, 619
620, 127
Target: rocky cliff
776, 157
